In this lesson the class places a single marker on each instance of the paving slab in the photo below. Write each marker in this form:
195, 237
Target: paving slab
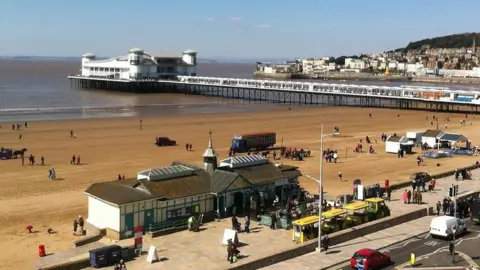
342, 252
397, 206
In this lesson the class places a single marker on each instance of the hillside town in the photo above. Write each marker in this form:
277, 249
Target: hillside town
424, 61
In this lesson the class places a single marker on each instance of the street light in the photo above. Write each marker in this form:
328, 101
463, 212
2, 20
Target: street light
320, 189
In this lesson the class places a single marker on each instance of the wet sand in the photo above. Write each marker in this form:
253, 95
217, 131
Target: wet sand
111, 146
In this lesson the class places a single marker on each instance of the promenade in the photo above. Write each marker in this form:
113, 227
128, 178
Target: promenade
188, 250
390, 236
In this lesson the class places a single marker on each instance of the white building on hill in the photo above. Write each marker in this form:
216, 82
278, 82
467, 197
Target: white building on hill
138, 64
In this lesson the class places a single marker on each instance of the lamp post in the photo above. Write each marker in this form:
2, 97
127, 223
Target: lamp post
320, 189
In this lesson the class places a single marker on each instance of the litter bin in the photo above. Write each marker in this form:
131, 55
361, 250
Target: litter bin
41, 251
98, 257
114, 254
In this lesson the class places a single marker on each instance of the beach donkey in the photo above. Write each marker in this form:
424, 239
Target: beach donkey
19, 153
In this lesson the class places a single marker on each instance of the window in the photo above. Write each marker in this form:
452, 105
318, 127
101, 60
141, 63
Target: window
182, 213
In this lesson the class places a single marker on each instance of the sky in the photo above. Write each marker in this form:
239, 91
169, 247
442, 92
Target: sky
227, 29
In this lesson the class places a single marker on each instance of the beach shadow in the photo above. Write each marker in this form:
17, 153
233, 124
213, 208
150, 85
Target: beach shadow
241, 244
59, 179
333, 252
201, 229
82, 164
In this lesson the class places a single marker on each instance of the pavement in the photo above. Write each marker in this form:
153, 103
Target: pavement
188, 250
392, 236
433, 253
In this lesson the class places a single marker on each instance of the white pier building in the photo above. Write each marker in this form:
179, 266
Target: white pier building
140, 65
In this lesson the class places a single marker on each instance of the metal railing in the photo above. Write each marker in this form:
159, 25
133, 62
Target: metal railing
167, 225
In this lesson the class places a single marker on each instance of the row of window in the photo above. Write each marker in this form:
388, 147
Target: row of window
104, 69
183, 212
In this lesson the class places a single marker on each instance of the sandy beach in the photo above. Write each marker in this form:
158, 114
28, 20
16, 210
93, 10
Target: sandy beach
109, 147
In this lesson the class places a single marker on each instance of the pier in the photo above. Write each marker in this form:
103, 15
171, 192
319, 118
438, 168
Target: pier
293, 92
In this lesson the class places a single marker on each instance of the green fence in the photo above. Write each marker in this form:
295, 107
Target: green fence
167, 225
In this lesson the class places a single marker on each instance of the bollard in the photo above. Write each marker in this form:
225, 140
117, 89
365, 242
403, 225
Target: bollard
41, 251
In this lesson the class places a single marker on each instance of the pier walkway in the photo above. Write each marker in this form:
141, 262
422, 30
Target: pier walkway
298, 92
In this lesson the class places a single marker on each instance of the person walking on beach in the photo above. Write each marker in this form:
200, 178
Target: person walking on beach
23, 160
340, 176
20, 137
26, 124
42, 159
72, 161
78, 160
71, 133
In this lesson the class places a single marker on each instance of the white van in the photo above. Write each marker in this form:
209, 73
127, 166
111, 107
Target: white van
442, 226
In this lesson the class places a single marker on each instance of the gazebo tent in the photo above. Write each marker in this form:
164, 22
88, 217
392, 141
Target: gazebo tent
452, 139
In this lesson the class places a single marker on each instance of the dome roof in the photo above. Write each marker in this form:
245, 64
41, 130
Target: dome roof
135, 50
88, 55
189, 51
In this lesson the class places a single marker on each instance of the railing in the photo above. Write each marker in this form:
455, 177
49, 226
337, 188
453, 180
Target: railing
167, 225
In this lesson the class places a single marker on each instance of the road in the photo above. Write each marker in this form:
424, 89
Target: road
434, 252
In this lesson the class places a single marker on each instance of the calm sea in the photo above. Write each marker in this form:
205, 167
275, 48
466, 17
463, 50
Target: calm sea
39, 90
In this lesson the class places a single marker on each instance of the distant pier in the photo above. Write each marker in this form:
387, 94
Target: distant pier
295, 92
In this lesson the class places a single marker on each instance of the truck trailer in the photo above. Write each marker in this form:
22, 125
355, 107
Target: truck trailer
253, 142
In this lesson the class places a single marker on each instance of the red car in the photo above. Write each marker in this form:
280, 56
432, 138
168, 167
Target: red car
371, 259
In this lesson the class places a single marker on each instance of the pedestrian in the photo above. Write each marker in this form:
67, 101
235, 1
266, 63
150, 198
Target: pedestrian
81, 222
389, 193
42, 159
23, 160
186, 146
234, 223
123, 176
326, 243
141, 124
119, 177
13, 127
20, 136
409, 196
451, 247
72, 161
405, 196
78, 160
439, 206
75, 226
247, 224
54, 174
26, 124
340, 176
71, 133
274, 221
50, 174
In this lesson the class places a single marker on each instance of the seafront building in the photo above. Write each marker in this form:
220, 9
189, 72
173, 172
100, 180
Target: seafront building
138, 65
164, 198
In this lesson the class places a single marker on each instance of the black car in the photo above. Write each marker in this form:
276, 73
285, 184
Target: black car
164, 141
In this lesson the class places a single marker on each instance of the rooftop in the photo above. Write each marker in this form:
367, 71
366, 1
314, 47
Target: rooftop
169, 172
243, 161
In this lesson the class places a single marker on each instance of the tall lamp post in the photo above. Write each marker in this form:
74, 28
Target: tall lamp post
320, 189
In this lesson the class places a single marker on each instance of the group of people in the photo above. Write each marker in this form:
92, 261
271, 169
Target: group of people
18, 126
75, 160
412, 197
447, 206
188, 146
52, 175
330, 155
78, 225
31, 160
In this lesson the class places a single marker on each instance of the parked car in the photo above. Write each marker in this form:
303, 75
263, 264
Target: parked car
164, 141
371, 259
